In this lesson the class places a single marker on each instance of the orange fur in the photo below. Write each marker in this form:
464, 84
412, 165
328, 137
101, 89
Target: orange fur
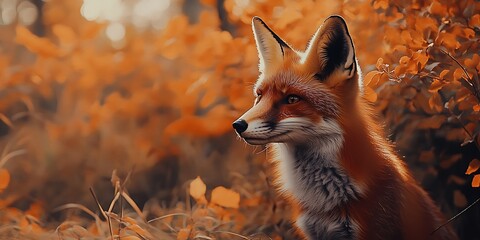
369, 158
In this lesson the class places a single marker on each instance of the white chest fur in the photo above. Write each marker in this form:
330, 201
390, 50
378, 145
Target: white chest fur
312, 175
314, 178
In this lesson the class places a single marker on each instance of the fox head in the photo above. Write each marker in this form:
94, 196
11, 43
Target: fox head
300, 95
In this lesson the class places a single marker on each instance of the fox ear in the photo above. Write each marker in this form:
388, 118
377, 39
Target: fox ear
331, 49
269, 45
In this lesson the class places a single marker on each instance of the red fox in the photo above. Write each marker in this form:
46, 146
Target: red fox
333, 160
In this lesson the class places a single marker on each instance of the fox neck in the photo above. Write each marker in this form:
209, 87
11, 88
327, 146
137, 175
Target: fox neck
366, 154
311, 173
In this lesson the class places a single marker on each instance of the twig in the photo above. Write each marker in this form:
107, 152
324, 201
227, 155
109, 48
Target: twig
106, 216
168, 215
231, 233
120, 225
6, 120
78, 206
459, 64
61, 226
188, 205
456, 216
472, 82
112, 204
127, 178
133, 205
98, 203
472, 138
202, 237
11, 155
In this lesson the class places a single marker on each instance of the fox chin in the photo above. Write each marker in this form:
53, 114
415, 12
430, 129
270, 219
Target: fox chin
333, 160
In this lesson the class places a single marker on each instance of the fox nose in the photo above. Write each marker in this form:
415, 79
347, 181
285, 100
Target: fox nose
240, 125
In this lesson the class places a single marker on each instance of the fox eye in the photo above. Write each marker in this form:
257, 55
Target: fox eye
291, 99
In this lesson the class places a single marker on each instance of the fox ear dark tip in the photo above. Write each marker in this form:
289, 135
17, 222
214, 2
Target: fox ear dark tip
337, 18
257, 19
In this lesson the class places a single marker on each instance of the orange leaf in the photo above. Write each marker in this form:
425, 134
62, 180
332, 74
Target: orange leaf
426, 156
225, 197
209, 98
449, 161
432, 122
140, 231
468, 33
184, 233
289, 15
36, 210
404, 60
208, 2
130, 238
37, 45
197, 188
421, 58
422, 23
448, 40
472, 63
443, 73
473, 166
438, 9
252, 201
476, 181
459, 199
216, 122
435, 86
456, 179
370, 94
91, 29
4, 179
475, 20
458, 74
371, 78
380, 4
64, 33
435, 102
406, 36
199, 213
379, 63
476, 107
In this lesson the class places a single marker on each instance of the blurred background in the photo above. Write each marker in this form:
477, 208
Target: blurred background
132, 99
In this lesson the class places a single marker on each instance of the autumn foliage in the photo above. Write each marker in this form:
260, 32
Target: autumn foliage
132, 137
